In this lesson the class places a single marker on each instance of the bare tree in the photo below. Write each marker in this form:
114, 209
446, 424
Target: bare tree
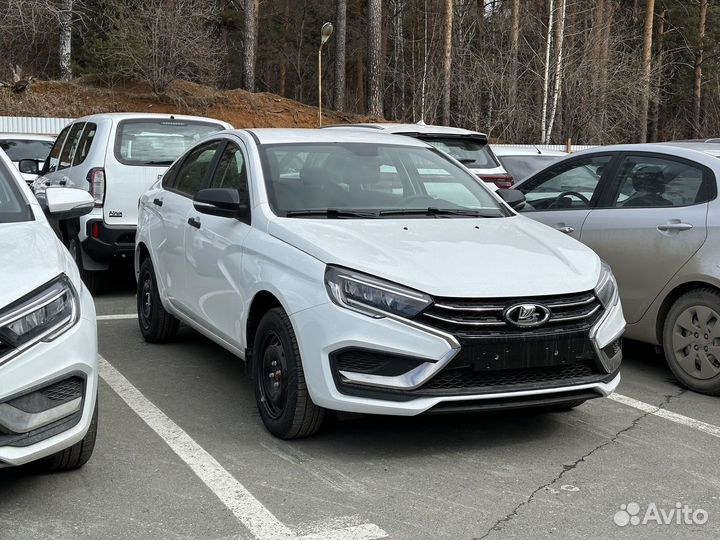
697, 90
559, 39
546, 77
647, 67
514, 40
375, 68
250, 45
340, 24
65, 48
447, 61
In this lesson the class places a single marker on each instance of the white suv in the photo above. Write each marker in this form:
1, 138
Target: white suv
371, 273
115, 157
470, 148
48, 333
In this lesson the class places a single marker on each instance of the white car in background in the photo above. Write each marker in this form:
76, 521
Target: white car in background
27, 151
470, 148
115, 157
523, 161
48, 333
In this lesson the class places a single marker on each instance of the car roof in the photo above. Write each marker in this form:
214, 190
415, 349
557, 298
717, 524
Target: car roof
140, 116
302, 135
421, 128
529, 150
27, 137
712, 148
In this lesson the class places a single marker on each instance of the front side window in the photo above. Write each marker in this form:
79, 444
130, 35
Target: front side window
469, 151
13, 206
652, 182
157, 142
195, 169
569, 185
374, 180
71, 145
54, 156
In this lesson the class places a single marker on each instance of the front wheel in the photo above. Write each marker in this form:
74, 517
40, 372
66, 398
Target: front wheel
691, 340
156, 324
280, 391
74, 457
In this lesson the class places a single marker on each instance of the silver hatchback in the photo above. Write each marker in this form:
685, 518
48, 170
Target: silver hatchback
651, 211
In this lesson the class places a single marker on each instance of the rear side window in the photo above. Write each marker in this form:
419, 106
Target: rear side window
85, 143
472, 153
158, 142
70, 146
195, 169
54, 156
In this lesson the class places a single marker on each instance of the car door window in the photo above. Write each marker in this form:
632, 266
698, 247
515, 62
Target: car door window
655, 182
568, 185
85, 143
70, 146
54, 156
195, 169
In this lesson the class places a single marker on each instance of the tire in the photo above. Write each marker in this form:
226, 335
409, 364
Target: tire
283, 400
156, 324
90, 278
691, 340
75, 456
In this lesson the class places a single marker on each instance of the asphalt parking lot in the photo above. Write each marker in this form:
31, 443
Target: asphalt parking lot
181, 453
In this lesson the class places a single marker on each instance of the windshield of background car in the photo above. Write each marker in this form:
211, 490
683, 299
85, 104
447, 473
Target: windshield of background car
472, 153
18, 149
13, 207
520, 167
158, 142
378, 179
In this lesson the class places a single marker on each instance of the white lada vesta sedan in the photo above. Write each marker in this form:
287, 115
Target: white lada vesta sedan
371, 273
48, 333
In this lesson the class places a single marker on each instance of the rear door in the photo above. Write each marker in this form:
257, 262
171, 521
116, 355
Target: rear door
139, 152
214, 251
650, 221
563, 195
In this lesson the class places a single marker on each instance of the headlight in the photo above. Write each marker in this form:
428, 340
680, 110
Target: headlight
41, 316
372, 296
606, 289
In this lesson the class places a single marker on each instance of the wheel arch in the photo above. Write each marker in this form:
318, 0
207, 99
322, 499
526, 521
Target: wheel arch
262, 302
672, 297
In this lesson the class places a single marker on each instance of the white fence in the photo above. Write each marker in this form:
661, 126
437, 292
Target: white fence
30, 124
561, 147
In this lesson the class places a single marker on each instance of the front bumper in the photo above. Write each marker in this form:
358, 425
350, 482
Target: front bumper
63, 369
326, 330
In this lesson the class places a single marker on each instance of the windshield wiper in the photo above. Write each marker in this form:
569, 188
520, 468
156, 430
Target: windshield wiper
438, 212
159, 162
467, 161
332, 213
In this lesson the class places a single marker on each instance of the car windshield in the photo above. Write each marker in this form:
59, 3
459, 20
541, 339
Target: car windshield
18, 149
13, 207
366, 180
473, 153
521, 167
158, 142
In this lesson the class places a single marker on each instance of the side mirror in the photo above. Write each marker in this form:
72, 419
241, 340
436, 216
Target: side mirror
222, 202
513, 197
66, 203
29, 166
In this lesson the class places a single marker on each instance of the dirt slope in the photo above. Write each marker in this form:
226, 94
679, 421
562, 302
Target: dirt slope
238, 107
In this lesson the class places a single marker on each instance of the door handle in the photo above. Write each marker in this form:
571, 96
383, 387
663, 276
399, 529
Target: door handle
674, 227
194, 222
157, 202
565, 229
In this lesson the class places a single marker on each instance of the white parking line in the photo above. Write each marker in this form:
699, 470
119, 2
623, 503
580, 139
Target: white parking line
667, 415
246, 508
116, 317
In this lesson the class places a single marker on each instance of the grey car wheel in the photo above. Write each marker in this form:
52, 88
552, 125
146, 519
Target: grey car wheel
691, 340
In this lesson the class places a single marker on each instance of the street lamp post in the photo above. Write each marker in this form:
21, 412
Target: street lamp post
325, 33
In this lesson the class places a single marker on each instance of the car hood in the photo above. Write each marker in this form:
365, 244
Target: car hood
459, 257
30, 256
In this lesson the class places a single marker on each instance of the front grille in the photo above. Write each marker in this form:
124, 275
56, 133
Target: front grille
483, 317
66, 390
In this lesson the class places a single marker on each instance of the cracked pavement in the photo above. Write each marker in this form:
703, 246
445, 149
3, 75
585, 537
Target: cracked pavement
519, 474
